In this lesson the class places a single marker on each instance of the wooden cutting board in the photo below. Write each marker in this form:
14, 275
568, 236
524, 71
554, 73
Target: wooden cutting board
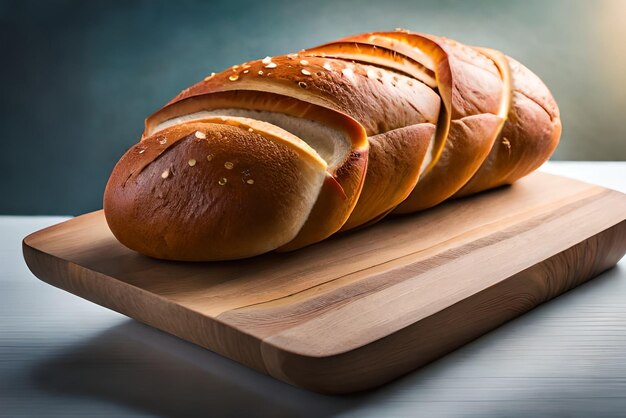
357, 310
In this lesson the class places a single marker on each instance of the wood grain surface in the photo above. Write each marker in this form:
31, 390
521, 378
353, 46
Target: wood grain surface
360, 309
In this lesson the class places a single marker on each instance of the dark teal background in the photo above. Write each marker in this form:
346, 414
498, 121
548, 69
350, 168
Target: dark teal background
79, 77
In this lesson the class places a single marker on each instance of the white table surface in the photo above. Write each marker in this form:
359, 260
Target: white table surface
63, 356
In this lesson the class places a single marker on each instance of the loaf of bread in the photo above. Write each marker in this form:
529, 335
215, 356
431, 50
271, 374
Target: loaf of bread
283, 152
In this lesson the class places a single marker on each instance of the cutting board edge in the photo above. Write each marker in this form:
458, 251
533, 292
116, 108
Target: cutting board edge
198, 329
281, 363
315, 373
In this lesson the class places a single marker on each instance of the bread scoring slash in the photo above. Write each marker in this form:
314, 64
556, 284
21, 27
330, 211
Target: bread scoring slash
283, 152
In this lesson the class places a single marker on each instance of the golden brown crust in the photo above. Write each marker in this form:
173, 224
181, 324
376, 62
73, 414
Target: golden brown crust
209, 198
471, 89
379, 100
423, 54
530, 134
465, 151
364, 51
343, 185
395, 162
432, 109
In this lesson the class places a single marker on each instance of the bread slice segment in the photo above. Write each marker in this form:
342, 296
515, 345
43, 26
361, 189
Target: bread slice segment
213, 189
398, 157
332, 145
471, 90
423, 59
530, 134
363, 50
340, 140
